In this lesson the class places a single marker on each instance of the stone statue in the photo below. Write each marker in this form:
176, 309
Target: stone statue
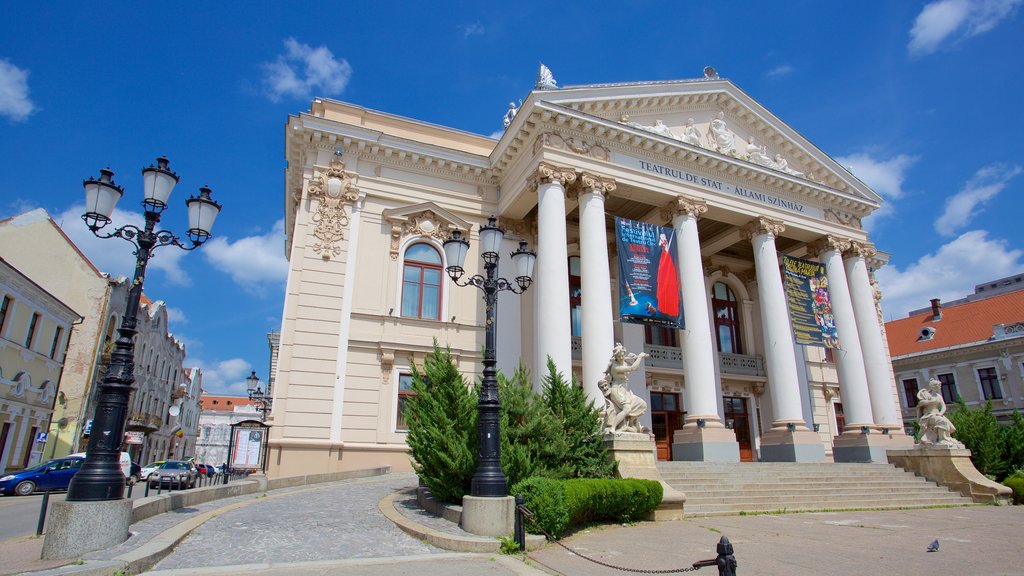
510, 114
720, 137
622, 408
545, 80
690, 133
936, 429
758, 154
660, 129
781, 165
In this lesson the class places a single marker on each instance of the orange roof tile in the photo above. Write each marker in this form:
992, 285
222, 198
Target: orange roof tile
222, 402
965, 323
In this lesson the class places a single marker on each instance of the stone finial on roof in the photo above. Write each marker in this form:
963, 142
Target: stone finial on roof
545, 81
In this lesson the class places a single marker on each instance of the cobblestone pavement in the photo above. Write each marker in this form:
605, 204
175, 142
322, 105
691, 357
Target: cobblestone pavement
339, 521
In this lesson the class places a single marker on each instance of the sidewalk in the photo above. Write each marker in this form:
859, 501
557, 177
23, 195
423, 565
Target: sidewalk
352, 527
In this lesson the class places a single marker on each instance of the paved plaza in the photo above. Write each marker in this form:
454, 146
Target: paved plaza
339, 528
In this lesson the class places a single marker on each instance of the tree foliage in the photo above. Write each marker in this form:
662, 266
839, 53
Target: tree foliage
580, 424
997, 450
532, 441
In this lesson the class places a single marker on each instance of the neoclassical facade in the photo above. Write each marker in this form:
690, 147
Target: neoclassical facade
370, 197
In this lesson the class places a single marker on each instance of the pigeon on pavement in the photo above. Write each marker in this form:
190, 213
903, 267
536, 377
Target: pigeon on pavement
934, 546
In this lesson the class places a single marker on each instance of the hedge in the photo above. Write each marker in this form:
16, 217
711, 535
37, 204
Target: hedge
559, 504
1016, 483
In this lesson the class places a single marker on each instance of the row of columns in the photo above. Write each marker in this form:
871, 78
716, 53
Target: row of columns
864, 381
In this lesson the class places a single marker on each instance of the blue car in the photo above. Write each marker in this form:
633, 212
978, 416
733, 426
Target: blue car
53, 475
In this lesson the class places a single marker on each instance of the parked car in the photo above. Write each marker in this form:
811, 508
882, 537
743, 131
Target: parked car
148, 469
174, 473
125, 461
53, 475
136, 474
206, 470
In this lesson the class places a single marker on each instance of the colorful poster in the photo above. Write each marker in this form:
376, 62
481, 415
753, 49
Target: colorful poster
648, 277
248, 446
810, 308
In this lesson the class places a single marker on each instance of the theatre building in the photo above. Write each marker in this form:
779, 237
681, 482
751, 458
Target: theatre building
370, 197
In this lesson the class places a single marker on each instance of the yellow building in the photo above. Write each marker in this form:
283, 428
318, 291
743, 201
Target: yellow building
370, 197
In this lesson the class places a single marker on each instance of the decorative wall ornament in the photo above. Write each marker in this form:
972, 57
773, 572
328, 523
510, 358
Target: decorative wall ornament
844, 218
864, 250
545, 80
334, 189
387, 362
425, 224
828, 243
591, 182
683, 205
551, 173
554, 140
762, 225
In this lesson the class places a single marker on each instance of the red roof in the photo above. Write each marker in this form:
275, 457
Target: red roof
966, 323
222, 402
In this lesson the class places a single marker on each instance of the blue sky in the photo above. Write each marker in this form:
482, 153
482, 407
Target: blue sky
922, 100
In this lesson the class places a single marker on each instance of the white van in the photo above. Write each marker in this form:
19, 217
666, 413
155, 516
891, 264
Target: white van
125, 461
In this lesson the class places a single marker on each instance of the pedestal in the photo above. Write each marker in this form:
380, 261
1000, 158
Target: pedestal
783, 445
712, 444
493, 516
635, 454
952, 468
859, 447
75, 528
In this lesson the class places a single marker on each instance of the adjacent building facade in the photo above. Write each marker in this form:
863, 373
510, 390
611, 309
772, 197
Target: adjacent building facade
370, 197
974, 346
217, 415
34, 330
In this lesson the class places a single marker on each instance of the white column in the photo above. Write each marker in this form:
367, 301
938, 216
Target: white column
595, 283
853, 380
876, 361
552, 331
701, 396
780, 354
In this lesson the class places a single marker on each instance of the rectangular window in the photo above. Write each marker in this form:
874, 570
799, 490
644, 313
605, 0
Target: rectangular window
404, 393
4, 308
661, 336
837, 409
910, 389
949, 393
56, 341
989, 381
32, 330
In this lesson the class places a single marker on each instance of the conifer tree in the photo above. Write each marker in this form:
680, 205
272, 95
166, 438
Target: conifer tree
579, 420
442, 418
532, 443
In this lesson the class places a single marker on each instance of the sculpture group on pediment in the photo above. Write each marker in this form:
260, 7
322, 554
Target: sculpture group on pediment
690, 133
510, 115
758, 154
720, 137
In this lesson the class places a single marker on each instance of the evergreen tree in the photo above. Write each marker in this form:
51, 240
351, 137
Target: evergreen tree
1013, 444
980, 433
580, 425
531, 440
442, 418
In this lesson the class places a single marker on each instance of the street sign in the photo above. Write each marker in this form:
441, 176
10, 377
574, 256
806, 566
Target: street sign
134, 437
41, 437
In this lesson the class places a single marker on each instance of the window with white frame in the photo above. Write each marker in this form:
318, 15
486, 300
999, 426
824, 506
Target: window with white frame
910, 390
421, 282
404, 393
949, 391
988, 380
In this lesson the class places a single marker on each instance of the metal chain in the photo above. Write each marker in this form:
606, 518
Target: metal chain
526, 512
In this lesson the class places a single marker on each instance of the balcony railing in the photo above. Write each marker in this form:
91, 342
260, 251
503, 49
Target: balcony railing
144, 422
577, 348
664, 356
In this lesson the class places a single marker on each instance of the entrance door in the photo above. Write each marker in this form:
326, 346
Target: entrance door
665, 421
738, 418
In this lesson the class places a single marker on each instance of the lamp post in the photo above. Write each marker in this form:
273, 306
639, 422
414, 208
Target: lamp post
100, 477
489, 480
261, 399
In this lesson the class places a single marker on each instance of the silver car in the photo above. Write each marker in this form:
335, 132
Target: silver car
173, 474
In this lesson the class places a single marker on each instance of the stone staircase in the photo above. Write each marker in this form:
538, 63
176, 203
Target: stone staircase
719, 489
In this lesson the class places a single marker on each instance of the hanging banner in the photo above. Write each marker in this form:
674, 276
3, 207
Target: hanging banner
810, 308
648, 281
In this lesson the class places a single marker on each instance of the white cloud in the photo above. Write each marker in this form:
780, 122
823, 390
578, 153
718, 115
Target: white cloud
963, 206
176, 316
14, 101
225, 377
956, 20
474, 29
884, 176
252, 262
780, 71
949, 273
114, 256
303, 69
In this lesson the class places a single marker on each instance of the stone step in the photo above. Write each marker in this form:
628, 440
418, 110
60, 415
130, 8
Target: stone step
817, 500
699, 511
822, 490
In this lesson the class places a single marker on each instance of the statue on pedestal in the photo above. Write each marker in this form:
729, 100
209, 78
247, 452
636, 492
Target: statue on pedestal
622, 409
936, 429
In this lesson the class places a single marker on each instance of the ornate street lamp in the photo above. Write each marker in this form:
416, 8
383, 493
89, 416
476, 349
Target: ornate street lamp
100, 477
489, 480
261, 399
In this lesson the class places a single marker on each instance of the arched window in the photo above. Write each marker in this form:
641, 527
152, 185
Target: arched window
421, 283
575, 296
727, 319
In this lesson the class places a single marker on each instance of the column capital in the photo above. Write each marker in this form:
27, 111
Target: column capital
859, 248
550, 173
590, 182
828, 243
762, 225
684, 205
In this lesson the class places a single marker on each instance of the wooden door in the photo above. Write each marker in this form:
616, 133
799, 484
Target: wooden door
737, 417
664, 421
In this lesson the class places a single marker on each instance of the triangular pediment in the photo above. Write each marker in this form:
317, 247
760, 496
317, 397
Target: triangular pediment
711, 117
424, 219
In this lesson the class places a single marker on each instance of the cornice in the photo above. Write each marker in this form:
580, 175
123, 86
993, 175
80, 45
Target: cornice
958, 351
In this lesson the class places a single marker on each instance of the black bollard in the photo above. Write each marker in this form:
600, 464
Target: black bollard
146, 493
130, 486
42, 513
726, 561
520, 533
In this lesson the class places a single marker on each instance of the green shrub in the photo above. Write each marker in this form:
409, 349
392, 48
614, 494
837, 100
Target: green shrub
559, 504
1016, 483
532, 442
580, 425
982, 435
1013, 443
